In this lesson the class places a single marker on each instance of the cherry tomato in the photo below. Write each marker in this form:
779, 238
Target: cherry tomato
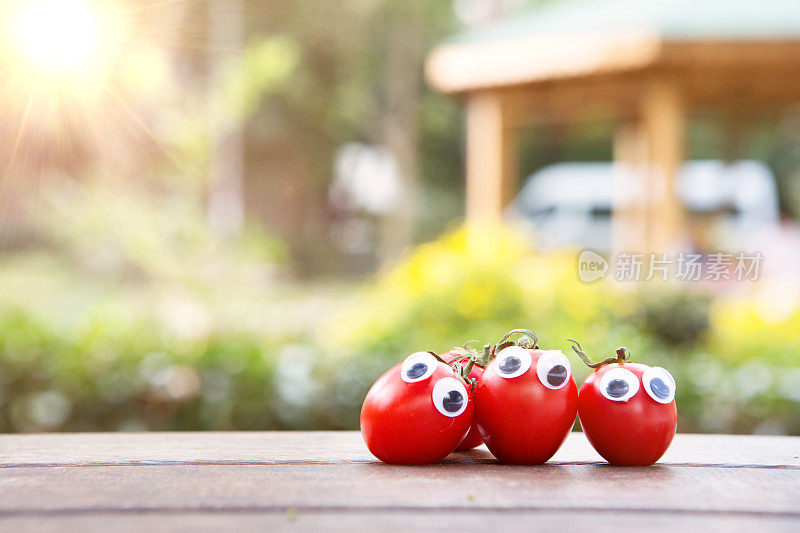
473, 438
417, 412
525, 404
628, 413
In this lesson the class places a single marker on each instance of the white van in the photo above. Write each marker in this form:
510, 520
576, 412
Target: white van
728, 204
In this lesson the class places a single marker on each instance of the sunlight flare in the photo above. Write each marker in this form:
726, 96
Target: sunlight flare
57, 35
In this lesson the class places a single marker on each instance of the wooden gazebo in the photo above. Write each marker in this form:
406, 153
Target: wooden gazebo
647, 63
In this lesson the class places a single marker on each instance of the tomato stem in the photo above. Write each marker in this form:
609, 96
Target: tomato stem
466, 346
623, 356
482, 359
457, 363
438, 357
469, 354
529, 340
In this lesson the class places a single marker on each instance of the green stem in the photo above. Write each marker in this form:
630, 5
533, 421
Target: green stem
623, 356
466, 345
529, 340
486, 356
438, 358
463, 370
468, 367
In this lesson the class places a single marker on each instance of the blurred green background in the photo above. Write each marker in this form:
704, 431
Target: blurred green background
173, 254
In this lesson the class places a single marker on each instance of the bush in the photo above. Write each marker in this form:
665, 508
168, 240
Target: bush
676, 318
136, 316
230, 351
736, 372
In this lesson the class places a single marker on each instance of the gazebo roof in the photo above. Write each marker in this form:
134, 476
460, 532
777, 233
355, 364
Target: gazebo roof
585, 37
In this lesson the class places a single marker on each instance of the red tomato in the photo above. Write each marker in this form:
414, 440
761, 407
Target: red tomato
628, 413
473, 438
417, 412
525, 404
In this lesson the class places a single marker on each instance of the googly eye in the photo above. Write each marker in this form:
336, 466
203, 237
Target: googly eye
417, 367
449, 396
553, 369
619, 384
659, 384
513, 361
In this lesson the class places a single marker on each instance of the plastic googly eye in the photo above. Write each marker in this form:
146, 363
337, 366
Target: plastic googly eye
449, 397
513, 361
619, 384
553, 369
659, 384
418, 366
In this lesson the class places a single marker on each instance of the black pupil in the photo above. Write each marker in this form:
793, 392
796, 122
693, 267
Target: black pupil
453, 401
617, 388
417, 370
557, 375
510, 364
659, 388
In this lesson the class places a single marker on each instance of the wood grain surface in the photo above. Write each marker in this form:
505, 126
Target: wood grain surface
308, 481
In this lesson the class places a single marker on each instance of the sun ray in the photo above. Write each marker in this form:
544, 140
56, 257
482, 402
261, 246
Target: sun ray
143, 127
144, 7
17, 142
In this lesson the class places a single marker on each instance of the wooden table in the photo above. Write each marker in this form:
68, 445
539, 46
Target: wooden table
311, 481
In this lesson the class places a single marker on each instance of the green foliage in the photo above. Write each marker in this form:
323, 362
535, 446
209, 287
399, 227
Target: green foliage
677, 318
113, 374
466, 286
264, 68
232, 351
757, 327
734, 365
136, 316
117, 230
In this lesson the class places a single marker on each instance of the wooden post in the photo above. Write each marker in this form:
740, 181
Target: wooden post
492, 157
629, 209
663, 112
648, 214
